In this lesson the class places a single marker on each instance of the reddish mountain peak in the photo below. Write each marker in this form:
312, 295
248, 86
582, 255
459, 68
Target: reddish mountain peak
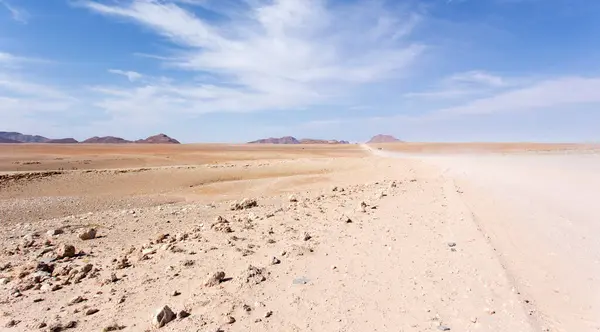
383, 139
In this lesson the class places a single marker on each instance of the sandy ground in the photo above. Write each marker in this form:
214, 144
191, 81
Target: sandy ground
340, 239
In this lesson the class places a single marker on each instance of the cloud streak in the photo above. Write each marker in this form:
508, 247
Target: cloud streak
279, 55
18, 14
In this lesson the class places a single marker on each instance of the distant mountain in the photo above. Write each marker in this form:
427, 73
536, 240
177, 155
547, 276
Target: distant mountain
383, 139
7, 140
62, 141
321, 141
281, 140
293, 140
23, 138
158, 139
106, 140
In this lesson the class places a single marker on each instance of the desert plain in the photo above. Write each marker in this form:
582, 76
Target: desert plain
383, 237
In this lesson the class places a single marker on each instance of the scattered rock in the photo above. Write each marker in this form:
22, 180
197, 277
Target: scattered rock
113, 327
246, 203
275, 261
91, 311
307, 237
161, 237
451, 244
87, 234
175, 293
345, 219
41, 325
443, 328
255, 275
293, 199
229, 320
75, 300
183, 314
65, 250
268, 314
27, 241
12, 323
71, 325
162, 316
54, 232
55, 327
215, 279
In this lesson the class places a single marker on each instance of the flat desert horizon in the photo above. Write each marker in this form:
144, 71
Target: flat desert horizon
223, 237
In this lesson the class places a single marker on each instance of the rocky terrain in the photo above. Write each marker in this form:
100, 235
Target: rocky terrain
13, 137
7, 140
260, 238
293, 140
105, 140
158, 139
383, 139
23, 138
62, 141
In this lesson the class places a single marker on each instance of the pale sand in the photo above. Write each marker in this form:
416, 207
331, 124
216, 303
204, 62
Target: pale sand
465, 242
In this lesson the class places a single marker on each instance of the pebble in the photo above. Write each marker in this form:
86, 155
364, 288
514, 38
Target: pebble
183, 314
53, 232
162, 316
175, 293
87, 234
229, 320
65, 250
75, 300
443, 328
91, 311
451, 244
275, 261
215, 279
268, 314
307, 237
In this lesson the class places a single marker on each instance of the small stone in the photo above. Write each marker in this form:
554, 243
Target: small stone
113, 327
268, 314
55, 327
307, 237
162, 316
71, 325
473, 320
229, 320
247, 308
443, 328
293, 198
161, 237
275, 261
87, 234
27, 240
451, 244
346, 219
175, 293
65, 250
12, 323
53, 232
183, 314
91, 311
75, 300
215, 279
41, 325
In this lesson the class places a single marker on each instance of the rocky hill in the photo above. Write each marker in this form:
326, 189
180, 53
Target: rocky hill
293, 140
62, 141
158, 139
11, 135
383, 139
273, 140
321, 141
106, 140
7, 140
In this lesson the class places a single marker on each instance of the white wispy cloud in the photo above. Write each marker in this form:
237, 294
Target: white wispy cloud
131, 75
273, 55
558, 92
18, 14
465, 84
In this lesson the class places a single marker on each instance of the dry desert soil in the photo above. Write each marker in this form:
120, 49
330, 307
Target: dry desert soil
386, 237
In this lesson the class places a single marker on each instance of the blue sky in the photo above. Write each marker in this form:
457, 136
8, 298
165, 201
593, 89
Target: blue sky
237, 70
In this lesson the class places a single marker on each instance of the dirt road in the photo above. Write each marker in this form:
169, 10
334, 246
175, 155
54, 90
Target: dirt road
540, 213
